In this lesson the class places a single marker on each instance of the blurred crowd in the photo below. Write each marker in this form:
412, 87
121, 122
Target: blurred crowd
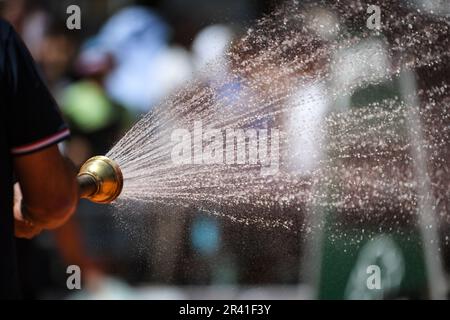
126, 58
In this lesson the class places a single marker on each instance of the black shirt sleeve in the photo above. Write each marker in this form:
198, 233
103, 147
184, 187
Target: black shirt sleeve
34, 118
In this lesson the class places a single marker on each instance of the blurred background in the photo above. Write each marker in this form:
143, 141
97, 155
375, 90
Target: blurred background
127, 57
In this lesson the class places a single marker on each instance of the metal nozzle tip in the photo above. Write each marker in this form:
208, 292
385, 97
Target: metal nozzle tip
100, 180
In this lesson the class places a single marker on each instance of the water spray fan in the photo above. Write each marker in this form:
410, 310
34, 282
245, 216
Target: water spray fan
100, 180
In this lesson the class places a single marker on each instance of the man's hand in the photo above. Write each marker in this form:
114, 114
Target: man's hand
23, 227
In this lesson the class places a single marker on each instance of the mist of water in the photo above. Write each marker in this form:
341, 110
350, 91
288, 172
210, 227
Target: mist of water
294, 78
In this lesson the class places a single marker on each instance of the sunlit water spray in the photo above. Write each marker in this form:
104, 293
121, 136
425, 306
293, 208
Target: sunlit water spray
357, 157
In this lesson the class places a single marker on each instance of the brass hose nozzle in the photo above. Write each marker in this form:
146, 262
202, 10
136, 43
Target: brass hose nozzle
100, 180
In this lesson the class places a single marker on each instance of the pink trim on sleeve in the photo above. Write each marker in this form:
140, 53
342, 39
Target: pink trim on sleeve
41, 143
